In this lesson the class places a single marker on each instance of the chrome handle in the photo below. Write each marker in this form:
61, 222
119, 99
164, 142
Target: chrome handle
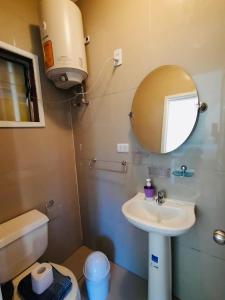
219, 237
161, 194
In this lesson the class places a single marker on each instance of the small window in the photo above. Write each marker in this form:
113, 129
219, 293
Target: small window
20, 90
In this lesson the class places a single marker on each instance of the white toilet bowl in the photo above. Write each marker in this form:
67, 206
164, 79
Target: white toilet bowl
74, 294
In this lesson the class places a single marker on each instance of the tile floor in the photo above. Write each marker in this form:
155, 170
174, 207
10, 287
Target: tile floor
124, 285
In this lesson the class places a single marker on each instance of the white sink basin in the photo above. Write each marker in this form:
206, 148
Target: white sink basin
172, 218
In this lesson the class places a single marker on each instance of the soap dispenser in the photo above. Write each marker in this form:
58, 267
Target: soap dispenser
149, 190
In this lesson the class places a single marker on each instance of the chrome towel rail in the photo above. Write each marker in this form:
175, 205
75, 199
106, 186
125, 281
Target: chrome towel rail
123, 163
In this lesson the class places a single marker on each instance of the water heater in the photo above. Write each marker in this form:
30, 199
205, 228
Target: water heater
63, 43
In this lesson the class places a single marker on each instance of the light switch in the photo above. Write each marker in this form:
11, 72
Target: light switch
123, 148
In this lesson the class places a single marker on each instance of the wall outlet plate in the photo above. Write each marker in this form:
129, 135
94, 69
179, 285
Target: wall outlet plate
123, 148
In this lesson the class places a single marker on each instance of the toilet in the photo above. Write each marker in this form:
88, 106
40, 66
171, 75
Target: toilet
23, 240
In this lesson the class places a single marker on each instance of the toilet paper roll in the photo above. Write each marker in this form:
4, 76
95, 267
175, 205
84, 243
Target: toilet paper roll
41, 278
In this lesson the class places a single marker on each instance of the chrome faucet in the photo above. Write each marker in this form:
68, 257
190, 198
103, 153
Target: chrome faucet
160, 198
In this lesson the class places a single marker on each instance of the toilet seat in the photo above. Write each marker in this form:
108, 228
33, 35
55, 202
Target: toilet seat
74, 294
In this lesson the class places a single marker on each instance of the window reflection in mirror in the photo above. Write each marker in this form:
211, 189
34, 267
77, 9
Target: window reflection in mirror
164, 109
176, 124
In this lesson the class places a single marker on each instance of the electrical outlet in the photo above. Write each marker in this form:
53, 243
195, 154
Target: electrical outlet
123, 148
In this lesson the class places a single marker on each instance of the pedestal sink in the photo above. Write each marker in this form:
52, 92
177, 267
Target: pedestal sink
172, 218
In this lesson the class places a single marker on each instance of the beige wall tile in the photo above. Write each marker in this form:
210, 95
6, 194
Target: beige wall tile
186, 33
109, 27
37, 165
98, 127
153, 33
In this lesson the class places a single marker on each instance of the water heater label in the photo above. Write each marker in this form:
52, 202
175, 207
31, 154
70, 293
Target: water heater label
48, 54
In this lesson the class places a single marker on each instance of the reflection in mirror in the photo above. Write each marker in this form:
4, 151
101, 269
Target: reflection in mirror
165, 109
174, 106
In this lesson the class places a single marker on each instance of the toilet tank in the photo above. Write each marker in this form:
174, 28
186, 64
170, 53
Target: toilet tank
22, 241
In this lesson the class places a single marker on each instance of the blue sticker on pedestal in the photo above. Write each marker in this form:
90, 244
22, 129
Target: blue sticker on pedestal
154, 261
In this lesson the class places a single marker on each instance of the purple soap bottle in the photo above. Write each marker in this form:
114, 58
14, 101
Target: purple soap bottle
149, 190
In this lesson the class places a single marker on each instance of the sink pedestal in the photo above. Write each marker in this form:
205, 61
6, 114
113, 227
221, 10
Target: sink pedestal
159, 276
173, 218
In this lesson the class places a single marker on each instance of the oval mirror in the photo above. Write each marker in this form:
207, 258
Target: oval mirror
165, 109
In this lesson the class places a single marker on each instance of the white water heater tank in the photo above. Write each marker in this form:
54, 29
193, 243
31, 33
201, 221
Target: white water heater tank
63, 43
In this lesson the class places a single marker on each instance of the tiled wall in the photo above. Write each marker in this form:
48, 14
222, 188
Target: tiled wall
37, 165
153, 33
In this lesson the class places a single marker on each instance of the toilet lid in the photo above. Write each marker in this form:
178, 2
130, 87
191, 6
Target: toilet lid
74, 294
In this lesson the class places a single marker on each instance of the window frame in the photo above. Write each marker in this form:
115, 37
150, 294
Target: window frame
39, 103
